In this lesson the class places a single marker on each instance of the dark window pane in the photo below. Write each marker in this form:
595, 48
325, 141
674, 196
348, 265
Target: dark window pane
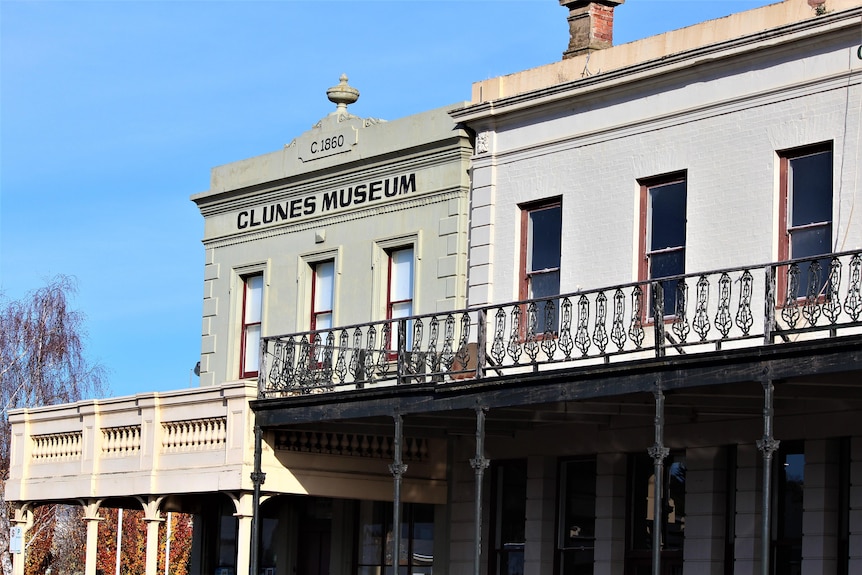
669, 300
667, 215
546, 284
675, 503
664, 265
667, 264
508, 514
790, 486
512, 560
577, 562
423, 536
578, 526
513, 505
811, 189
811, 241
545, 227
547, 312
641, 513
810, 275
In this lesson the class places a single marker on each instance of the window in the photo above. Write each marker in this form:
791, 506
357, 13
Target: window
376, 542
508, 516
642, 520
252, 314
322, 289
806, 209
788, 492
576, 537
541, 241
399, 293
663, 206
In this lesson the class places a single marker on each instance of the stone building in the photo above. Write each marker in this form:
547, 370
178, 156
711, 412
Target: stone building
605, 318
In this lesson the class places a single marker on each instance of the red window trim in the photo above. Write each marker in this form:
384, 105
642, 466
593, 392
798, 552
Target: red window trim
524, 280
524, 276
389, 301
314, 312
643, 255
784, 254
244, 326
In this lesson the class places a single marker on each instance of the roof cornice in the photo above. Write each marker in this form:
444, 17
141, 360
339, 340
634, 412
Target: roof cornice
650, 69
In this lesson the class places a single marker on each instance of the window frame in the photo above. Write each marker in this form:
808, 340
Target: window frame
527, 274
786, 228
315, 313
500, 514
638, 551
380, 288
582, 466
380, 513
390, 303
645, 251
305, 273
786, 549
244, 279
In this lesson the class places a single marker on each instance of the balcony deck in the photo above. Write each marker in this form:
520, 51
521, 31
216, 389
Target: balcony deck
193, 441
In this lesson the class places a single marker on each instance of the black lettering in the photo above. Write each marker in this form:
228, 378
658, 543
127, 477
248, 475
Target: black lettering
252, 221
408, 184
374, 187
310, 205
313, 147
330, 200
345, 201
294, 208
242, 220
390, 192
360, 196
282, 212
268, 214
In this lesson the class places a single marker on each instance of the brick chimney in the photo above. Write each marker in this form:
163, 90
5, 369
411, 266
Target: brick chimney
591, 25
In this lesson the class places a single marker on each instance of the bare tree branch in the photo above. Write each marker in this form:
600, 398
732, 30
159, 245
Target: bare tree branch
42, 362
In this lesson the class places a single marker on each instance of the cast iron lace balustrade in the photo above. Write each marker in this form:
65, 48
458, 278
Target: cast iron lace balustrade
809, 298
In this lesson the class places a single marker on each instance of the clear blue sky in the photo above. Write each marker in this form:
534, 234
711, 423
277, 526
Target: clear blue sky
113, 113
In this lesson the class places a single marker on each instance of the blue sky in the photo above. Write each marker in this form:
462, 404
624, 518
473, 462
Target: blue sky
113, 113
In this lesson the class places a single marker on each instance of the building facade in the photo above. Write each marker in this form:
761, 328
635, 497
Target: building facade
606, 318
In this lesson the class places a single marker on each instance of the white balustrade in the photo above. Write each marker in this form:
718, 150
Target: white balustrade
57, 446
121, 441
194, 434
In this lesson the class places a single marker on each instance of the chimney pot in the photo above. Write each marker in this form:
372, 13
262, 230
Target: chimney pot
591, 25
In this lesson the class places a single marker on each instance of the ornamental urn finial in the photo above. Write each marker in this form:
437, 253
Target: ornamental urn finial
342, 95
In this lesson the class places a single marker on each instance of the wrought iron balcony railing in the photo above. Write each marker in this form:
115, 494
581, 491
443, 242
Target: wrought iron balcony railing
808, 298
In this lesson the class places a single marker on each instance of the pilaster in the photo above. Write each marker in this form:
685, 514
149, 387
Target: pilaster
610, 514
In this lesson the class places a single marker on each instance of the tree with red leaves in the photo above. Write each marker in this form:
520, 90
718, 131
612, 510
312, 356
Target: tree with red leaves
133, 543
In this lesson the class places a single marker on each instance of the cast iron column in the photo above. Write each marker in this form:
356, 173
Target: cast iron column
479, 464
397, 468
258, 477
658, 452
768, 445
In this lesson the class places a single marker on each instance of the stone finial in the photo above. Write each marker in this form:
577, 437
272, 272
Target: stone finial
591, 25
342, 95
